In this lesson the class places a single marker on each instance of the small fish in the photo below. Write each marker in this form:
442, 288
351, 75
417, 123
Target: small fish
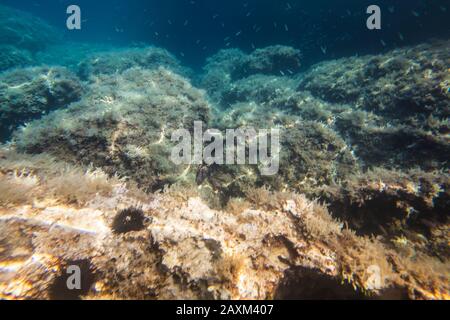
383, 43
400, 35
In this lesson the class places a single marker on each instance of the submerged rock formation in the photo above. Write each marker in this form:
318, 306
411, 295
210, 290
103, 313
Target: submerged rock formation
91, 184
123, 125
129, 245
400, 100
117, 61
28, 94
230, 65
368, 135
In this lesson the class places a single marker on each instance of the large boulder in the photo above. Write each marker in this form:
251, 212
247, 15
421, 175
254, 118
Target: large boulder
400, 104
123, 125
28, 94
117, 61
227, 66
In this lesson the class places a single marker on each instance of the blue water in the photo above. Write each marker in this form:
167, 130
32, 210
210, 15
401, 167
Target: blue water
196, 29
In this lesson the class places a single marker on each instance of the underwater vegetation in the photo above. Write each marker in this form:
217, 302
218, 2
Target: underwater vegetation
86, 176
123, 125
27, 94
252, 252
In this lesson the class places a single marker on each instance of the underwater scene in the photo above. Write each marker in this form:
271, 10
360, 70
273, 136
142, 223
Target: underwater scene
224, 150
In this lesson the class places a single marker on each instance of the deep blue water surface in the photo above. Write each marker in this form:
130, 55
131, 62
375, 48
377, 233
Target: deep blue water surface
196, 29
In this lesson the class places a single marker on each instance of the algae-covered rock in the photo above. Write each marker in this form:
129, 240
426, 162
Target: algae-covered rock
274, 60
400, 104
217, 71
226, 67
12, 57
312, 153
399, 84
27, 94
410, 205
381, 171
123, 125
117, 61
257, 88
70, 54
183, 249
381, 168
